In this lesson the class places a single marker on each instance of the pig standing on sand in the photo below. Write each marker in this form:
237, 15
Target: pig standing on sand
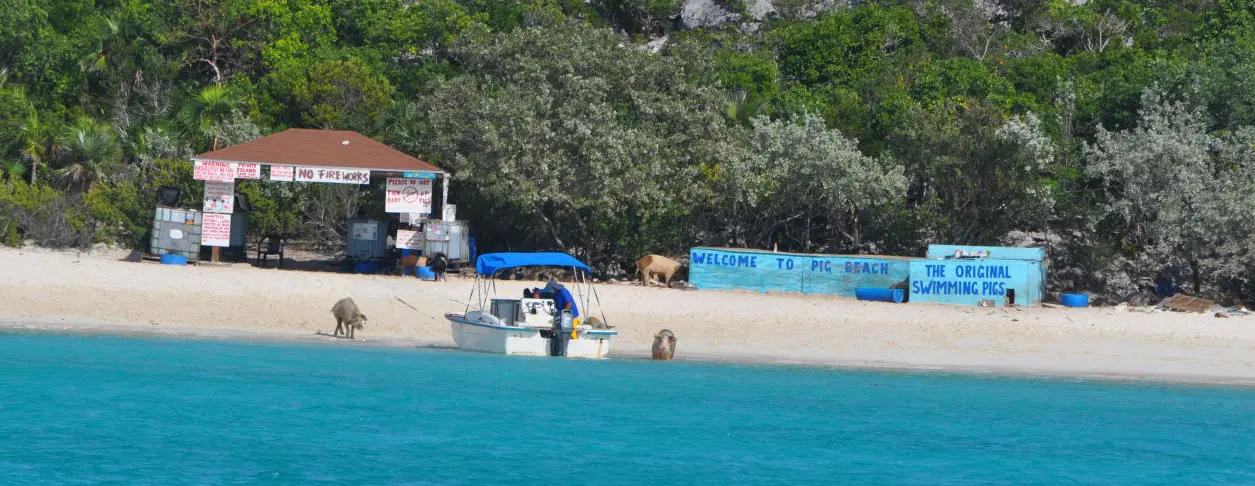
650, 265
410, 263
664, 345
440, 265
348, 316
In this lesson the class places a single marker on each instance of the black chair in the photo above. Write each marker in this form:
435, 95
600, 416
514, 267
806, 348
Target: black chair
169, 196
270, 245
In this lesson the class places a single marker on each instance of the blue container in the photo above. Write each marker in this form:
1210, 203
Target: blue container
879, 294
425, 273
170, 259
1074, 300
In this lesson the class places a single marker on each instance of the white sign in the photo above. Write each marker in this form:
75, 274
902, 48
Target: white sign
450, 213
342, 176
408, 196
437, 231
215, 230
219, 197
409, 239
365, 231
282, 173
213, 170
247, 171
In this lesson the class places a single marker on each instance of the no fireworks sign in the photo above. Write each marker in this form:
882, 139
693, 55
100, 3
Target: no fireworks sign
408, 196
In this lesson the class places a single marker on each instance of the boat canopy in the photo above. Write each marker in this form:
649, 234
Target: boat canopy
491, 263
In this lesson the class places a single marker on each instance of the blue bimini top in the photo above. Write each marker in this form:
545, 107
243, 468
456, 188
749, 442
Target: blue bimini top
491, 263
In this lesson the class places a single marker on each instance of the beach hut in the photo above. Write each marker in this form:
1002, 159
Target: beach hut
334, 157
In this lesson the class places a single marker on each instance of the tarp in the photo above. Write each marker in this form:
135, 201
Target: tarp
491, 263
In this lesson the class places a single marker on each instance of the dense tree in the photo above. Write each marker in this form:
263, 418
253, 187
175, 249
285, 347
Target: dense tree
1174, 197
792, 175
207, 110
88, 152
570, 129
598, 128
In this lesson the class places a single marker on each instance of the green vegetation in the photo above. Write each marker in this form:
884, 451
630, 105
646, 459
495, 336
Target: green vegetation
1119, 133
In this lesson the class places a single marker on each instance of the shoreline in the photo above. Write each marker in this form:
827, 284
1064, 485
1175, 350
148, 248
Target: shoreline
49, 291
77, 327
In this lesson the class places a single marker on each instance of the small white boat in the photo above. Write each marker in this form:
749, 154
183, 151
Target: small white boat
531, 326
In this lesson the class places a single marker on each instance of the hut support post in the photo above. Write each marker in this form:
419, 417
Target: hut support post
444, 196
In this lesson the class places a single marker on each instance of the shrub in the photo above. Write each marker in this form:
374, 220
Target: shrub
48, 217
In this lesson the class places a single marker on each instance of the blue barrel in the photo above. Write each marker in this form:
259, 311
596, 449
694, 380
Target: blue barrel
879, 294
171, 259
1074, 300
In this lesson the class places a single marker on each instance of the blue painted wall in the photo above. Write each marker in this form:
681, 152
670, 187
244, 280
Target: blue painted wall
1036, 255
969, 281
727, 269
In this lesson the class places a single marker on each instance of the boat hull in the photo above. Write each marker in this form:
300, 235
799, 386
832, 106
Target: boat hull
524, 341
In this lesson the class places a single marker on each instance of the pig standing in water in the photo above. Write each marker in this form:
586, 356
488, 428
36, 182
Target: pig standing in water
348, 316
664, 344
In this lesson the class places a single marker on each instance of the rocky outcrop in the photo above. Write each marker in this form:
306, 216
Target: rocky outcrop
748, 14
706, 14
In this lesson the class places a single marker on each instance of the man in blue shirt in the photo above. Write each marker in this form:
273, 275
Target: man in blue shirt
562, 298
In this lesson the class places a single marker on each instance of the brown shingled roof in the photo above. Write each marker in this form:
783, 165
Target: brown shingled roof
320, 148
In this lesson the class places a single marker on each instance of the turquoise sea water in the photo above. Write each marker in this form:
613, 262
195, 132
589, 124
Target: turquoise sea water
108, 410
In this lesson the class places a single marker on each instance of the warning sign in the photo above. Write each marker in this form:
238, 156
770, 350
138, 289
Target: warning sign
219, 197
247, 171
215, 229
282, 173
213, 170
409, 239
408, 196
341, 176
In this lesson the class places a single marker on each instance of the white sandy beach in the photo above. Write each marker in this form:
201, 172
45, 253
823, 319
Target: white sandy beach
101, 293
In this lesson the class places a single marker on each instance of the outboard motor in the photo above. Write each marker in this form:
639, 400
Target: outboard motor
562, 325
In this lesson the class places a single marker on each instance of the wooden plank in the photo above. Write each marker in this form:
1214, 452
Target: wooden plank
1187, 303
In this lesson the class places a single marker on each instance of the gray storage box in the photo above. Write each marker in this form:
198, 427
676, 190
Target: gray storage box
456, 247
176, 232
367, 239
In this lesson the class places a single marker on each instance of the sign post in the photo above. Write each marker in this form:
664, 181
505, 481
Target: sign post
444, 198
219, 199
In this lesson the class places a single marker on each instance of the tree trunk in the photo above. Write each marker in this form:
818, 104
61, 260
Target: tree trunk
34, 170
1195, 277
554, 230
858, 235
